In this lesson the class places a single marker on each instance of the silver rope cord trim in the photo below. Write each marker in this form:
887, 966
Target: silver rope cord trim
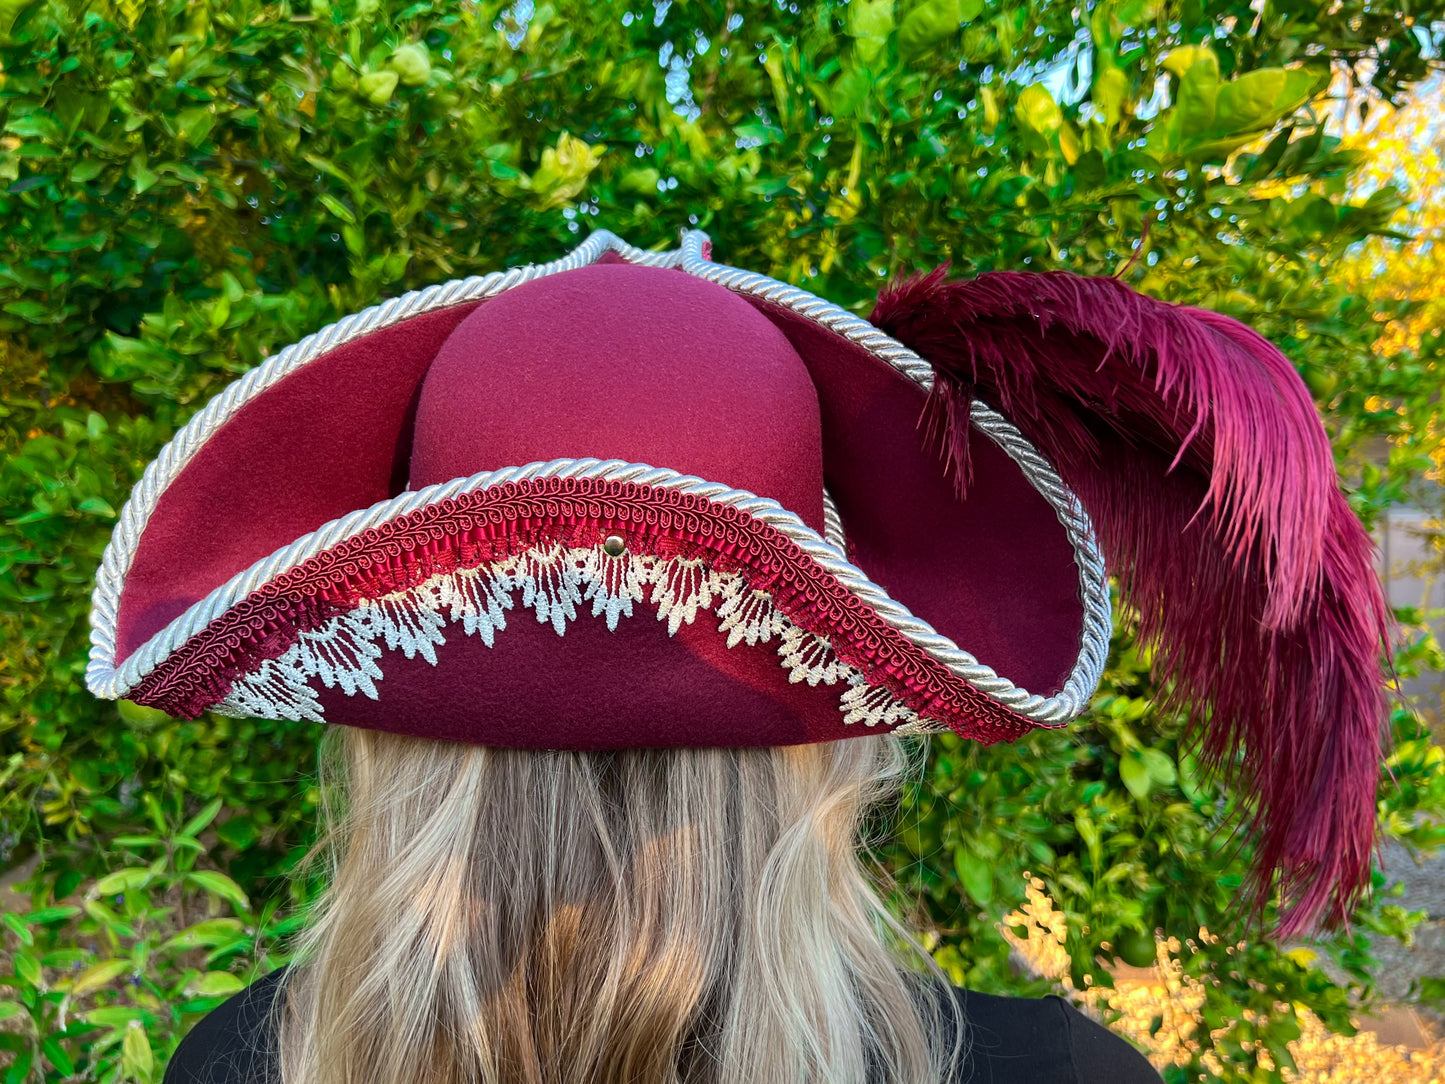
105, 680
833, 524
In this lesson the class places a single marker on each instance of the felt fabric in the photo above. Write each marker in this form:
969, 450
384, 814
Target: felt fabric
325, 440
995, 573
634, 687
642, 364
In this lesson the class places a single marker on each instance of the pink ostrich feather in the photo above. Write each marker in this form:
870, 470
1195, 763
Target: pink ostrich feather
1196, 449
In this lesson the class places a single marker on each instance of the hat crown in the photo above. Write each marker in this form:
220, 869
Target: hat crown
615, 361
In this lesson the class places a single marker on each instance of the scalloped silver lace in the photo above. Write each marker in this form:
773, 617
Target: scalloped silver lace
555, 582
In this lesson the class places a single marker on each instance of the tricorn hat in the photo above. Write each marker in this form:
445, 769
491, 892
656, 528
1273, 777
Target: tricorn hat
640, 499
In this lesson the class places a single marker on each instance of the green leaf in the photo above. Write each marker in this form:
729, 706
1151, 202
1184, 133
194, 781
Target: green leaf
195, 124
18, 928
240, 832
98, 975
1137, 12
355, 240
38, 125
377, 87
1248, 103
220, 312
47, 915
975, 874
1314, 216
114, 1016
139, 716
1198, 93
1037, 112
330, 168
74, 242
1279, 1051
27, 967
96, 506
66, 958
196, 824
1110, 90
411, 64
213, 931
217, 984
87, 169
141, 173
1160, 766
849, 88
10, 1008
220, 885
764, 133
1262, 164
1088, 831
57, 1055
1258, 98
336, 207
33, 311
933, 23
19, 1071
122, 881
1284, 1028
136, 1058
1135, 774
1178, 61
869, 23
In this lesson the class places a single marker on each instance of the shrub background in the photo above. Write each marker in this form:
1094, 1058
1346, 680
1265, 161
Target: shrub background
186, 188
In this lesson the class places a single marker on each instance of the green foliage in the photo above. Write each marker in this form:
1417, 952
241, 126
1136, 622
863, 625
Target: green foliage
142, 950
187, 187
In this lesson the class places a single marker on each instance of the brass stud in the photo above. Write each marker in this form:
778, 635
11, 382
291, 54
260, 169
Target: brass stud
614, 545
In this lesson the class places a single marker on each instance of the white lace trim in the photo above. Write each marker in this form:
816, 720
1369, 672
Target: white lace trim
555, 582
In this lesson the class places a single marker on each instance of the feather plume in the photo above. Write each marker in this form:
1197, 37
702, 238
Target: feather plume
1196, 449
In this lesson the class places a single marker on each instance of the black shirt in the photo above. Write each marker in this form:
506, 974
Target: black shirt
1012, 1040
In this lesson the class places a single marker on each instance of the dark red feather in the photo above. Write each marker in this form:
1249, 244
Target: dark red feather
1196, 449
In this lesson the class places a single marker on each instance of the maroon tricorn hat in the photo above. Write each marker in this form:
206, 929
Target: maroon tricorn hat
638, 499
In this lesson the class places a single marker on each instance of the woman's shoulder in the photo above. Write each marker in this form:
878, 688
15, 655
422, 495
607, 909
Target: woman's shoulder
1009, 1039
234, 1043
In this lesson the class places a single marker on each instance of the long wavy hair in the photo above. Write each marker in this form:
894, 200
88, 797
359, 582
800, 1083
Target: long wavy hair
662, 916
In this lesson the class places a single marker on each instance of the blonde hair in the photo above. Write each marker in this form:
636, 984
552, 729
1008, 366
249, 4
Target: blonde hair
657, 916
